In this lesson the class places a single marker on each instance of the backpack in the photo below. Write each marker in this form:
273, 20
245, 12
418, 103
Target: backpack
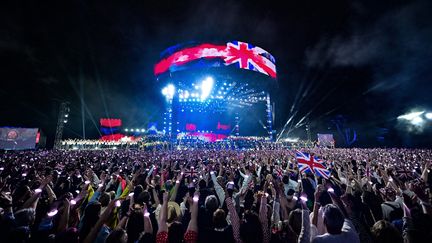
396, 213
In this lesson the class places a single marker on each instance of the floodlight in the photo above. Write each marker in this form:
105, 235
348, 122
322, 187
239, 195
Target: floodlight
169, 91
165, 91
410, 116
429, 115
206, 87
417, 121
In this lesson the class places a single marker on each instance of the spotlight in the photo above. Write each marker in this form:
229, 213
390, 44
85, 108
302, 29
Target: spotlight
169, 91
410, 116
429, 115
66, 115
142, 130
65, 121
206, 87
126, 130
417, 121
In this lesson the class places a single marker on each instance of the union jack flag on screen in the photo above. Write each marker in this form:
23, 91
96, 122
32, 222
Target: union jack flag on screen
308, 162
247, 56
236, 53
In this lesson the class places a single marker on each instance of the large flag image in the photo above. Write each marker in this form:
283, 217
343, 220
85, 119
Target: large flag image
309, 162
240, 54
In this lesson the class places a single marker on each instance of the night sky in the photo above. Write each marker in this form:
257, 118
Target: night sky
364, 61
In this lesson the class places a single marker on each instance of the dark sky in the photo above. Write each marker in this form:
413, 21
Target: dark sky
368, 61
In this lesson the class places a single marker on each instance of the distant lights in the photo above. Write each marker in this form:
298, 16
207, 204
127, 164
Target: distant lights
137, 130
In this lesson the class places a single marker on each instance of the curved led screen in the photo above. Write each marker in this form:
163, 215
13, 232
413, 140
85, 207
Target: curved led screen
235, 53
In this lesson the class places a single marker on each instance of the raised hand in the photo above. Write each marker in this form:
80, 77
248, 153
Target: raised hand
165, 197
319, 190
46, 181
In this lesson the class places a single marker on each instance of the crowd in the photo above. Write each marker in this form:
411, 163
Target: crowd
83, 144
209, 195
149, 142
146, 142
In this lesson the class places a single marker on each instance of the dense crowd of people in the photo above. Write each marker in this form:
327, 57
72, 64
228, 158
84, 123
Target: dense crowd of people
149, 142
211, 195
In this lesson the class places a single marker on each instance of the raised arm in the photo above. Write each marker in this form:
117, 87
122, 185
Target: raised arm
235, 220
425, 173
102, 219
176, 187
275, 218
64, 219
263, 219
193, 223
51, 195
163, 214
304, 236
34, 199
317, 204
148, 227
218, 188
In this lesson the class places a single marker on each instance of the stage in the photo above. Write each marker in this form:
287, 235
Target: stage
216, 90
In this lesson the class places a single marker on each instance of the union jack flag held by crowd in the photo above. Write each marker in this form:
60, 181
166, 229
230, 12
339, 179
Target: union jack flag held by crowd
191, 173
309, 162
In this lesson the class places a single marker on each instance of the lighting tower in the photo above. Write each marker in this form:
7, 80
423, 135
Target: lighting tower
169, 93
61, 121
